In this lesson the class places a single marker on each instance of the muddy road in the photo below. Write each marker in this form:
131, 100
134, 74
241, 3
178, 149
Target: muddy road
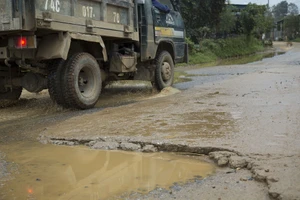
245, 118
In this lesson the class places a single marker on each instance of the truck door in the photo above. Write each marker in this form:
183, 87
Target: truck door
170, 26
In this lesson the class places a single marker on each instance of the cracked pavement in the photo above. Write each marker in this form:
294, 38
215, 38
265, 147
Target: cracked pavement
252, 110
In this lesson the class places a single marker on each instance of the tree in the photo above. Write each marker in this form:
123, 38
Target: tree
201, 17
280, 10
293, 9
256, 19
283, 9
217, 7
264, 21
291, 26
228, 19
247, 19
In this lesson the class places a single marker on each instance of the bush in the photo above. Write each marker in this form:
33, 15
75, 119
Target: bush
268, 43
191, 45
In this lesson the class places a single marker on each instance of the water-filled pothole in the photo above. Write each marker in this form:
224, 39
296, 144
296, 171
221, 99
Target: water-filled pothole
59, 172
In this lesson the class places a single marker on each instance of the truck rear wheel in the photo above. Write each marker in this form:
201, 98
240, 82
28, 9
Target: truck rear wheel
55, 69
10, 97
164, 72
82, 81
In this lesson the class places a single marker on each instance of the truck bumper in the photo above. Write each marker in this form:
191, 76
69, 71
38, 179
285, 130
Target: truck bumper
18, 47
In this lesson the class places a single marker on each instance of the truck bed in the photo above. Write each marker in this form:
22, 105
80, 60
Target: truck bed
111, 18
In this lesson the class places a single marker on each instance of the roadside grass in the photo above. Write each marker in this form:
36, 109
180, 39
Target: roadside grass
296, 40
202, 57
212, 51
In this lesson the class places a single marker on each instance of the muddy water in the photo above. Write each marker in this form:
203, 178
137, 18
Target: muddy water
182, 76
122, 98
249, 59
118, 93
58, 172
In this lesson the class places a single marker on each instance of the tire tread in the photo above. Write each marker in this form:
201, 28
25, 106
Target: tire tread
69, 90
55, 69
10, 98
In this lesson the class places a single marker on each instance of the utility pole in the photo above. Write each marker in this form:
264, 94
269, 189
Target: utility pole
268, 3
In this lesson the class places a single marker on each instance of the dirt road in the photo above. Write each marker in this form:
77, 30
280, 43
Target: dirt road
246, 117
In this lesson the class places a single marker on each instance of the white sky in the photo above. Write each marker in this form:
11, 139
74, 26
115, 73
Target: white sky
272, 2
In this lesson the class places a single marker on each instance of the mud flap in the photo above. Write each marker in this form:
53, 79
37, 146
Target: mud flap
58, 45
54, 46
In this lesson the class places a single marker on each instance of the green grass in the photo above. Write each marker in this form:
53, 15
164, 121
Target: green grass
296, 40
202, 57
210, 50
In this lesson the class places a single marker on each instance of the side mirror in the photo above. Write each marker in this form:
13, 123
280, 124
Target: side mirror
176, 4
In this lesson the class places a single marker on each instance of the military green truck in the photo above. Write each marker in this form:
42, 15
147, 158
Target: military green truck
74, 47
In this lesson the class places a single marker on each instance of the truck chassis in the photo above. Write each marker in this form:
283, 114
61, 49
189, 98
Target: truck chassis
74, 47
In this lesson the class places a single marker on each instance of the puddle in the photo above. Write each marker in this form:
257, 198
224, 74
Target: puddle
181, 76
58, 172
249, 59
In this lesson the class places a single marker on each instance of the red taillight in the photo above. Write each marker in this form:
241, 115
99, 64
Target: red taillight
22, 42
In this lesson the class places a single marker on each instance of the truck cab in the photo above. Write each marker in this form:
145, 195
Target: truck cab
73, 48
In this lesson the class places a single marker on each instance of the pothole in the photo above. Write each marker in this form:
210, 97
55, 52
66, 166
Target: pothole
60, 172
223, 157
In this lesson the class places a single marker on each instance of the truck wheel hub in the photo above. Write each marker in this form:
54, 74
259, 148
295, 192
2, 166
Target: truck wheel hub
166, 71
85, 81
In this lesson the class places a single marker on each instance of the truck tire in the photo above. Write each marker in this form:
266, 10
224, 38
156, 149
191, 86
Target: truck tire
9, 98
55, 69
82, 81
164, 71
